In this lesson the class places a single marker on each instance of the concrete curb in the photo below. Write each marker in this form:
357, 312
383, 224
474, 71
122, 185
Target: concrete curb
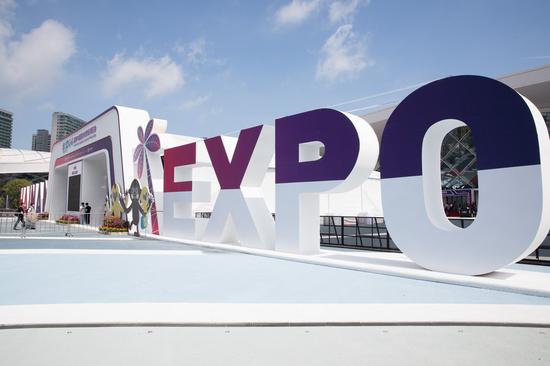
232, 314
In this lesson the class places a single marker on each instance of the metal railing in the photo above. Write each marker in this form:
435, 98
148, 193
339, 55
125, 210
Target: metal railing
462, 222
541, 255
352, 232
7, 212
66, 224
370, 233
356, 232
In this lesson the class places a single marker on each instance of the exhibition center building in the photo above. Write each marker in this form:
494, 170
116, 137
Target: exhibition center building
98, 163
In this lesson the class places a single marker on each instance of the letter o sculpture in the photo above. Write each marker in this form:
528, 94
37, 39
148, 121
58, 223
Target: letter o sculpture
513, 152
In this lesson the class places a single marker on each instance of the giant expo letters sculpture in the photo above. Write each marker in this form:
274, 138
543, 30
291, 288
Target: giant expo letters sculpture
512, 148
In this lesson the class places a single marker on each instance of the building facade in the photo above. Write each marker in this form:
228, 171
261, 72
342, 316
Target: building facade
63, 124
41, 140
6, 127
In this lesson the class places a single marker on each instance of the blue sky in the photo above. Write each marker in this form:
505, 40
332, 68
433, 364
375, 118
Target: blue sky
212, 67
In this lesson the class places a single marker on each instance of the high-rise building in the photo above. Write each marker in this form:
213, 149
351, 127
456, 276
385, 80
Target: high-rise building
6, 125
41, 140
63, 124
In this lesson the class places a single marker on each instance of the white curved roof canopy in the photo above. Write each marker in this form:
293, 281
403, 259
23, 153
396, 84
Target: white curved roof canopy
533, 84
13, 161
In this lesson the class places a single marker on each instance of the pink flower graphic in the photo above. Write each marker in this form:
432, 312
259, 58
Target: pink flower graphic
147, 142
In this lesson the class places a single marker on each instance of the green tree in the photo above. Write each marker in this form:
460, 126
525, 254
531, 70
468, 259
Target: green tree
13, 190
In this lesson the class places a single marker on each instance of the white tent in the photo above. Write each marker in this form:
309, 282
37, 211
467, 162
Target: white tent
17, 161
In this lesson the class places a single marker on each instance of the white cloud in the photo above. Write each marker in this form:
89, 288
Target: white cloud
7, 10
343, 55
158, 75
196, 51
7, 6
193, 103
46, 106
343, 11
543, 57
296, 11
34, 62
179, 48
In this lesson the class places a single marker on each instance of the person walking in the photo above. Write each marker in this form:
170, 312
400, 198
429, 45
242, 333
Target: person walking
87, 211
20, 215
30, 220
82, 212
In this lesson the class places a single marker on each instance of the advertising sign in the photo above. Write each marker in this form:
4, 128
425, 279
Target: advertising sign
499, 117
75, 169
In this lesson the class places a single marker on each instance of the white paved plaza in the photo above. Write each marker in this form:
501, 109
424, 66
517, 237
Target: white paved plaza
122, 300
